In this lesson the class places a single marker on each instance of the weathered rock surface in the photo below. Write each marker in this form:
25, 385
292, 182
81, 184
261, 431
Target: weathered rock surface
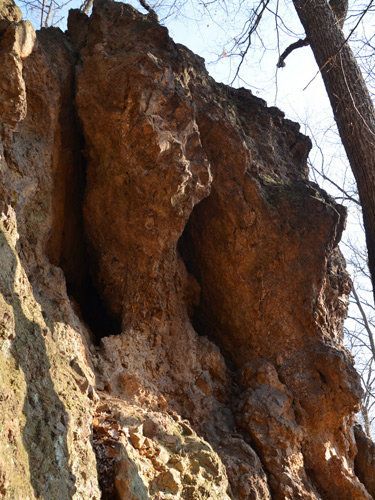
365, 459
47, 396
139, 197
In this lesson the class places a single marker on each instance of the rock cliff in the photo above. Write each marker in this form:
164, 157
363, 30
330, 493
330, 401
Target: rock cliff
172, 292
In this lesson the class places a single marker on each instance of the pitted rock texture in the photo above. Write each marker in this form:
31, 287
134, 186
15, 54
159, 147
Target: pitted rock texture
137, 192
365, 459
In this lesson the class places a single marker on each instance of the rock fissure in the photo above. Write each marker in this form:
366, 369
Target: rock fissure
190, 230
67, 245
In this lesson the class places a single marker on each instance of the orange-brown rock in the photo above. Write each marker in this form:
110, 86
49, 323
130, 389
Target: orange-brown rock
139, 197
47, 395
365, 459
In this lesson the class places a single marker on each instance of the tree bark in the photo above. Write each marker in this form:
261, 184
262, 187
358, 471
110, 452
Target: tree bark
351, 104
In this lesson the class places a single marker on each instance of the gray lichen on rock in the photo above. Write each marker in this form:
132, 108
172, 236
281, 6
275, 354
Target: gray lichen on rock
191, 230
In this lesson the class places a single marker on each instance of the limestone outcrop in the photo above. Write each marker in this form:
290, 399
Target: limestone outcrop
172, 292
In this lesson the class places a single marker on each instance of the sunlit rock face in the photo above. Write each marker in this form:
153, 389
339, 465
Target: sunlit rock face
172, 293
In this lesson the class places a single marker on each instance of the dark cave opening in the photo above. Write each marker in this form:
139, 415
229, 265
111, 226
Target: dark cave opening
188, 253
185, 246
68, 246
92, 308
78, 269
201, 313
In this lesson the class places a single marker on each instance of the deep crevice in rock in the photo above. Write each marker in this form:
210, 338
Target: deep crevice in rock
94, 311
69, 249
186, 250
203, 325
75, 263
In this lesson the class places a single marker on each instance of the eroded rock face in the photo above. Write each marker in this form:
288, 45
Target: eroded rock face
365, 459
47, 395
190, 218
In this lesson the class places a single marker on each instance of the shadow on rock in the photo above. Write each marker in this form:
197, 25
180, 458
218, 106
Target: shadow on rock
45, 430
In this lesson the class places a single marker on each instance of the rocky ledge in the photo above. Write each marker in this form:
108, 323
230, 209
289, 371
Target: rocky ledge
172, 292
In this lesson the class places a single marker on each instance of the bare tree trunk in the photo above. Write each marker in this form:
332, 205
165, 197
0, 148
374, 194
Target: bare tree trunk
86, 6
351, 104
366, 420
